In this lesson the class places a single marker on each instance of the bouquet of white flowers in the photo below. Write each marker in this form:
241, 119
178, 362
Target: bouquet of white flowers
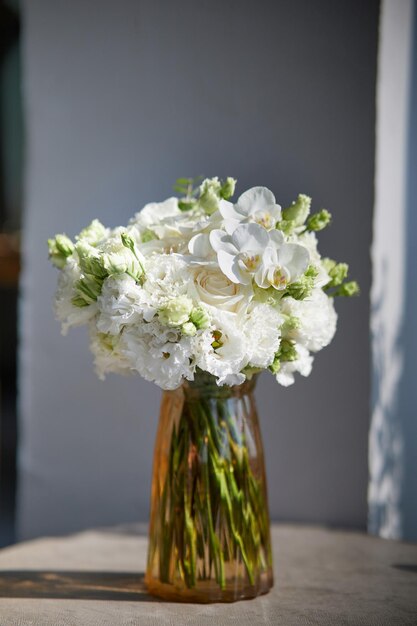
199, 283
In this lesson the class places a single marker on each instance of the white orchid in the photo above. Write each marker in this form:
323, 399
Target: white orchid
255, 205
252, 252
282, 263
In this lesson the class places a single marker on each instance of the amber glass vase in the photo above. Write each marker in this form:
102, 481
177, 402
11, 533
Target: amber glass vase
209, 538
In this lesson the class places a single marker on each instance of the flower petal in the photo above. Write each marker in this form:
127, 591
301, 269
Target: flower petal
229, 266
221, 241
276, 236
294, 257
250, 237
199, 245
228, 211
255, 199
230, 226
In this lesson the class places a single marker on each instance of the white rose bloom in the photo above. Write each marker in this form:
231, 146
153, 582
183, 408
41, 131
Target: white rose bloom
210, 286
68, 314
317, 319
303, 365
118, 304
230, 357
262, 331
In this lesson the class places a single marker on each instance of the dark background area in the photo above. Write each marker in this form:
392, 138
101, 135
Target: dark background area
10, 210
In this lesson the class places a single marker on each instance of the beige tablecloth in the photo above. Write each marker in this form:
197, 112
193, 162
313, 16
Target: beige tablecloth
95, 578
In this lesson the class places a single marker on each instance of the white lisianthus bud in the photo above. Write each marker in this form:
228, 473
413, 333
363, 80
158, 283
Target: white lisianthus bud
122, 262
298, 212
60, 248
176, 312
90, 260
200, 318
228, 188
210, 190
188, 329
93, 233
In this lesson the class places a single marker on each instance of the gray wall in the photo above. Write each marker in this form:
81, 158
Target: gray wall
121, 99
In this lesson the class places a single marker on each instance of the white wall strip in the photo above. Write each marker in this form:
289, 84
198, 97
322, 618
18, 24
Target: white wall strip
386, 450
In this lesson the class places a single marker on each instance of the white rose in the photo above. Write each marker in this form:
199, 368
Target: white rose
212, 287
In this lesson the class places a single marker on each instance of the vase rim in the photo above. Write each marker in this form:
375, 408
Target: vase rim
206, 384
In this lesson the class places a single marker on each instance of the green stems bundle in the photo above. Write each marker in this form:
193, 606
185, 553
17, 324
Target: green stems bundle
209, 520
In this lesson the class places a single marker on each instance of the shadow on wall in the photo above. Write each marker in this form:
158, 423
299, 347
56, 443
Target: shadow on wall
393, 453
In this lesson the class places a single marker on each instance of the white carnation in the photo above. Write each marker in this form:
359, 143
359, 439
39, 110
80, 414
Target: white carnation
107, 357
303, 365
118, 304
262, 332
158, 354
167, 277
317, 319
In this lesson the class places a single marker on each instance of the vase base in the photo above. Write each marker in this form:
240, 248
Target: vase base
206, 592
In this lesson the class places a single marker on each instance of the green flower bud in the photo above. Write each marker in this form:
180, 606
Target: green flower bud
228, 188
148, 235
302, 288
93, 233
290, 323
337, 271
328, 264
188, 329
287, 351
298, 211
348, 289
60, 248
187, 204
249, 371
275, 365
91, 262
210, 190
87, 289
200, 318
286, 226
79, 301
319, 220
122, 262
130, 244
176, 312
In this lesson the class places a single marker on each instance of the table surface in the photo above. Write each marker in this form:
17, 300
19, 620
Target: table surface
321, 577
